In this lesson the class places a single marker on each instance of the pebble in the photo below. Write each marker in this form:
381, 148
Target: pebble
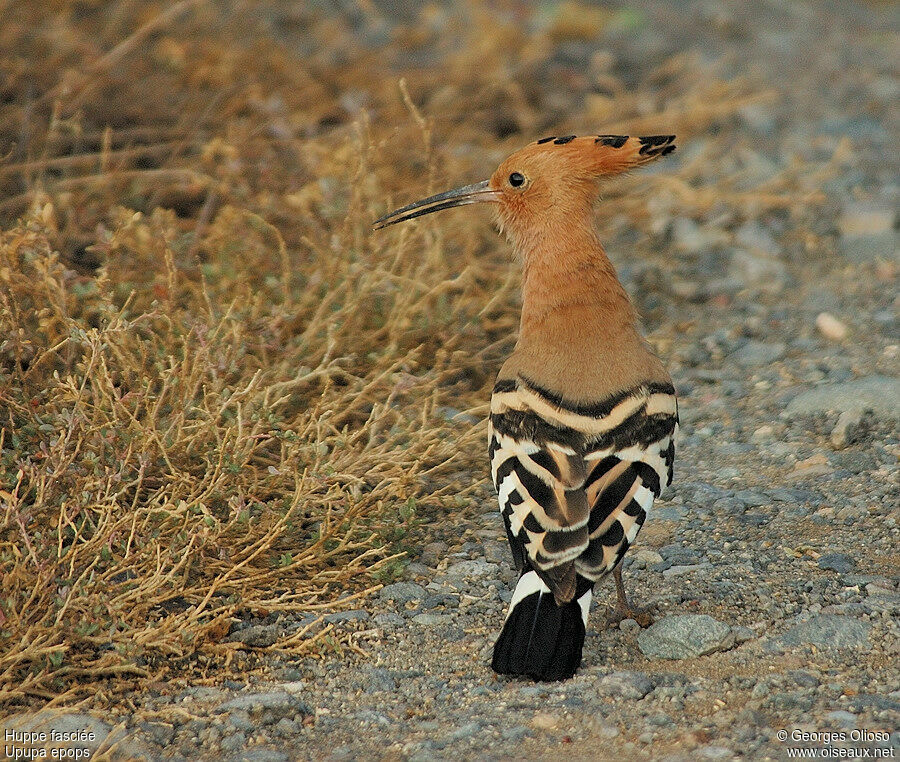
757, 271
431, 620
829, 631
763, 434
356, 615
753, 236
841, 719
685, 636
257, 636
629, 685
545, 721
830, 327
472, 569
880, 394
867, 232
757, 353
844, 431
402, 592
274, 704
839, 562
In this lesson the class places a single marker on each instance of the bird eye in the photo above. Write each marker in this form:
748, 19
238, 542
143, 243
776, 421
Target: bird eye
516, 179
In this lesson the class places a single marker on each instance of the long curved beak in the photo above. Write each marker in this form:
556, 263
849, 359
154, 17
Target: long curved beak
468, 194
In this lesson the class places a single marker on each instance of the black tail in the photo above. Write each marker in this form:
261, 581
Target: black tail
541, 639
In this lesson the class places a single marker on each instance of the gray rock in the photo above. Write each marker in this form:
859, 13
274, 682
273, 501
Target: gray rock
679, 570
260, 755
476, 568
867, 231
390, 620
402, 592
431, 620
356, 615
840, 718
379, 679
257, 635
753, 236
234, 742
516, 733
865, 248
880, 394
839, 562
274, 704
685, 636
240, 720
465, 731
845, 430
827, 631
629, 685
742, 634
160, 733
756, 270
714, 752
756, 353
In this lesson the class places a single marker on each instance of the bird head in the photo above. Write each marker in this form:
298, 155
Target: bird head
550, 179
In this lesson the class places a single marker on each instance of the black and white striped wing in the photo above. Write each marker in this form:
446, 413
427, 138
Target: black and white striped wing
575, 482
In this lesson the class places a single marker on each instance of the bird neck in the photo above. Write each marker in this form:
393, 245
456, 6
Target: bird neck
568, 278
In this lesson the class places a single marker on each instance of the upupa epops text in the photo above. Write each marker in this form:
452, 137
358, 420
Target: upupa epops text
583, 414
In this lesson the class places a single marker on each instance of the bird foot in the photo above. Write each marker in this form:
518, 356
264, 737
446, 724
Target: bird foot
618, 613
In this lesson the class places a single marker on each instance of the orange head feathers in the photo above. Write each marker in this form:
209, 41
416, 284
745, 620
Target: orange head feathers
550, 180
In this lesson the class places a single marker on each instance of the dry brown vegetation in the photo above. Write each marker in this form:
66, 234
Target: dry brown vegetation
220, 394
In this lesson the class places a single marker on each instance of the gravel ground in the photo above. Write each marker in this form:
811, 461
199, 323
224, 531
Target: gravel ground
771, 566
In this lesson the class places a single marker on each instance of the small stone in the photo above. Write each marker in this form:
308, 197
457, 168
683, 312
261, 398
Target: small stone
845, 430
865, 218
257, 635
757, 270
263, 755
842, 719
389, 620
629, 625
431, 620
839, 562
830, 327
757, 353
876, 247
714, 752
881, 394
679, 570
356, 615
742, 634
234, 742
545, 721
685, 636
754, 237
465, 731
160, 733
828, 631
276, 703
516, 733
629, 685
476, 568
763, 434
402, 592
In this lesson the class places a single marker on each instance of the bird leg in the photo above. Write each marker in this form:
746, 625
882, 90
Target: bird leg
624, 609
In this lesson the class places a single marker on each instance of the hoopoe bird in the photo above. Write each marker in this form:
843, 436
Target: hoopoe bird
583, 415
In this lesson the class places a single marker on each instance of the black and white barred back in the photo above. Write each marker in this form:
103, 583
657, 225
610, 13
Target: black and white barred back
575, 484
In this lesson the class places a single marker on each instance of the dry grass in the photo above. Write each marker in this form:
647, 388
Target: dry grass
220, 394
